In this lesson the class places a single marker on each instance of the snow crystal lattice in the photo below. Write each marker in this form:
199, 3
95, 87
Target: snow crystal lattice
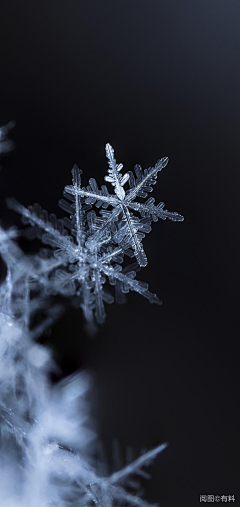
91, 247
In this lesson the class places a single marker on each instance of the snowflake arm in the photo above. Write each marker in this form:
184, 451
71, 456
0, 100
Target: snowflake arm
55, 236
134, 238
115, 178
148, 209
93, 195
76, 173
133, 468
103, 491
127, 282
98, 292
142, 184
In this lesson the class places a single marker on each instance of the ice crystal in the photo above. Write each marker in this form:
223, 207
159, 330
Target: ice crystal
90, 247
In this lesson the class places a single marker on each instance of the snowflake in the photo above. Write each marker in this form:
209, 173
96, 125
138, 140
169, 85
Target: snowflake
91, 247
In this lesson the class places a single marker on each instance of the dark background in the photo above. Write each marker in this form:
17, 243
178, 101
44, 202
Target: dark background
152, 78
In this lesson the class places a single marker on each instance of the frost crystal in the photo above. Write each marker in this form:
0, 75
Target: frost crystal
90, 248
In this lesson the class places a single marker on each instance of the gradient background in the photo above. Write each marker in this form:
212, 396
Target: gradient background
153, 78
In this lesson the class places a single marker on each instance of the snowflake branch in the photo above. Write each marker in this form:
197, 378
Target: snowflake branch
134, 467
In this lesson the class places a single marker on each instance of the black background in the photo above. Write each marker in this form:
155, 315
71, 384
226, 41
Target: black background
153, 78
